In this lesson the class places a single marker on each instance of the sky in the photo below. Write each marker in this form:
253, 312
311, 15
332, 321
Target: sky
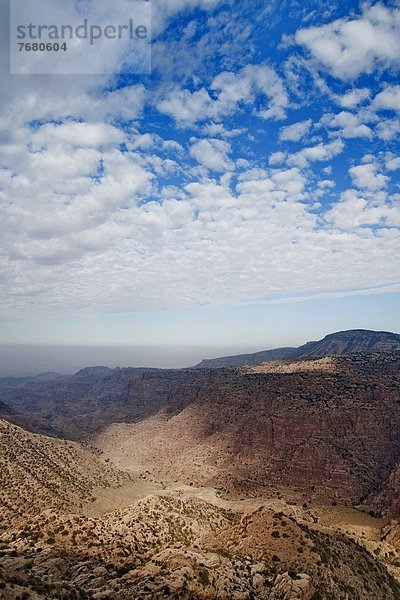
243, 194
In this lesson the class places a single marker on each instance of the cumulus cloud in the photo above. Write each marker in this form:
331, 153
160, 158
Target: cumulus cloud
388, 129
212, 154
80, 135
214, 129
276, 158
366, 177
319, 153
349, 47
353, 97
388, 99
101, 211
295, 132
353, 210
232, 90
393, 163
348, 125
242, 242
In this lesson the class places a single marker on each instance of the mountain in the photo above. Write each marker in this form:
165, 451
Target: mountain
245, 359
342, 342
351, 341
78, 406
81, 404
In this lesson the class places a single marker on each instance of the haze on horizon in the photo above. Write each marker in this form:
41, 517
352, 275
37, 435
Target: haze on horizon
178, 340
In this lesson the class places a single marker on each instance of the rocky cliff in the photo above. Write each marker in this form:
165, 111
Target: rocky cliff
334, 344
331, 431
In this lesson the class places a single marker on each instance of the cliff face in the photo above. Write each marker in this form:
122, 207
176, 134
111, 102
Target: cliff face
83, 403
387, 500
334, 344
326, 429
347, 342
287, 437
246, 359
333, 434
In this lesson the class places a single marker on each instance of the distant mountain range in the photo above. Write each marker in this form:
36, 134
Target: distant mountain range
334, 344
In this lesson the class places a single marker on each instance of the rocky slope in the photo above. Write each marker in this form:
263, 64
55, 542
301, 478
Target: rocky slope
38, 472
342, 342
175, 546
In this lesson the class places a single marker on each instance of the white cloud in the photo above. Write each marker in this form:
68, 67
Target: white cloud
347, 124
243, 242
368, 158
78, 135
295, 132
144, 141
214, 129
232, 91
388, 129
353, 97
276, 158
393, 163
366, 177
388, 99
86, 226
352, 46
354, 210
290, 181
51, 100
326, 184
212, 154
151, 141
163, 10
187, 107
320, 152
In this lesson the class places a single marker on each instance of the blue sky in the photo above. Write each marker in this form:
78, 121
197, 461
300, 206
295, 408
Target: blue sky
243, 195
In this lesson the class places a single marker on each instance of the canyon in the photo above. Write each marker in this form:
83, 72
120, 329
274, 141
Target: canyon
272, 479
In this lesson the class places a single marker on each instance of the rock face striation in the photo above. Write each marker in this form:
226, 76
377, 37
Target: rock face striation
329, 434
334, 344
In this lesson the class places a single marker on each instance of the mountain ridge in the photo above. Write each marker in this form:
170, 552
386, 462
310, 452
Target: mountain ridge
341, 342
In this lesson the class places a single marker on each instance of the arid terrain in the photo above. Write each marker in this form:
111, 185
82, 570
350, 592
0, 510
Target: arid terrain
277, 480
